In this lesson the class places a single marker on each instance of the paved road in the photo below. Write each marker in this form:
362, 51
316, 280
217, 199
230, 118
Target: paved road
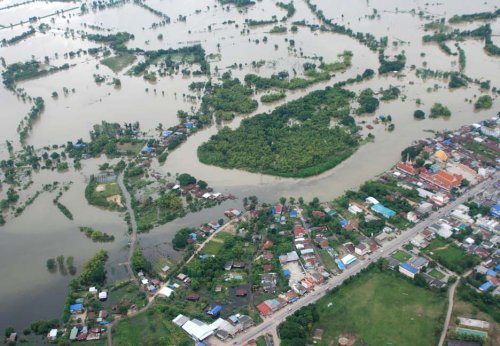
274, 320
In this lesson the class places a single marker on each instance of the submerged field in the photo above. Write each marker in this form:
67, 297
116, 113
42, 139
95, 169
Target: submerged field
382, 309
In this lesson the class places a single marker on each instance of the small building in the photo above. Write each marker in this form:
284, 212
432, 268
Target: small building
318, 334
215, 311
384, 211
264, 310
407, 270
197, 329
76, 308
52, 336
193, 297
241, 292
361, 249
103, 296
73, 334
346, 260
165, 292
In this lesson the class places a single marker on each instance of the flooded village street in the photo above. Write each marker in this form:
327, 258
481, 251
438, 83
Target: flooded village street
42, 231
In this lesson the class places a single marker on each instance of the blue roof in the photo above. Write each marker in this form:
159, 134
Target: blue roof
293, 213
76, 307
495, 210
340, 264
286, 272
447, 142
188, 125
193, 236
166, 133
79, 145
386, 212
491, 272
409, 268
147, 149
344, 223
276, 301
215, 310
435, 168
486, 286
497, 268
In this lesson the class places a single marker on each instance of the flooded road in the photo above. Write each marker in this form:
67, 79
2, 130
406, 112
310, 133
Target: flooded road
42, 232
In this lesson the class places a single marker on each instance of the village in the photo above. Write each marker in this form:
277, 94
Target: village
267, 258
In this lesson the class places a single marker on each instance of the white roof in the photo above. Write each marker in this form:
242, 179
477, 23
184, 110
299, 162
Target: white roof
103, 295
206, 195
372, 200
93, 290
144, 281
53, 333
165, 269
348, 259
217, 194
469, 240
166, 292
445, 232
180, 320
197, 329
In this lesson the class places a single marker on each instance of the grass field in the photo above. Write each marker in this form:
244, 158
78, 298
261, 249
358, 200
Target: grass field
382, 309
213, 246
327, 260
149, 328
450, 255
436, 274
112, 189
132, 148
118, 62
401, 256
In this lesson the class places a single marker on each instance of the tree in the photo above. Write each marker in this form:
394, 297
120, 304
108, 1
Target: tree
51, 265
419, 114
186, 179
484, 102
139, 262
9, 330
438, 110
202, 184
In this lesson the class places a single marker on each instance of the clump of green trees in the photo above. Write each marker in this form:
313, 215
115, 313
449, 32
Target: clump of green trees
296, 139
483, 102
439, 110
96, 235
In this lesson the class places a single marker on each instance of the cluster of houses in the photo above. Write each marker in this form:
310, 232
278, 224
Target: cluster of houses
221, 328
207, 193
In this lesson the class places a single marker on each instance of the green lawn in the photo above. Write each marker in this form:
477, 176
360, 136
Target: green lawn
382, 309
149, 328
450, 255
118, 62
401, 256
213, 247
112, 189
436, 274
327, 260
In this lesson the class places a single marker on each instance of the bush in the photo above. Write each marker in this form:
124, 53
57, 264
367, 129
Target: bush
419, 114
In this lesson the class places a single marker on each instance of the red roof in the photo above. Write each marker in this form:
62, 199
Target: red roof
267, 267
407, 168
264, 309
267, 244
299, 231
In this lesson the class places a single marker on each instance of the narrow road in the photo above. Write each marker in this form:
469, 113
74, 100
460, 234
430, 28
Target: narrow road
451, 299
275, 319
133, 241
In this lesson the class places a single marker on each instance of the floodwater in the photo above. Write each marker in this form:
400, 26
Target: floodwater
42, 232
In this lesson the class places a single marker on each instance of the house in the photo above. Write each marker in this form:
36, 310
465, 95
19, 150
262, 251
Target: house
299, 289
268, 282
264, 309
412, 217
267, 255
197, 329
299, 231
165, 292
76, 308
440, 199
419, 241
215, 311
361, 249
52, 336
267, 267
418, 262
346, 260
408, 270
239, 265
317, 278
354, 209
371, 200
241, 292
289, 257
228, 265
193, 297
384, 211
407, 167
103, 296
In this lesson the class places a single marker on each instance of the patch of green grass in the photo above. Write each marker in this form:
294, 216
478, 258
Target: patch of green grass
132, 148
213, 247
149, 328
450, 255
436, 274
261, 341
327, 260
382, 309
118, 62
401, 256
111, 189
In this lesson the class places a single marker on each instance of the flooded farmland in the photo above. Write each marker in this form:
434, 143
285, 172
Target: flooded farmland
42, 232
